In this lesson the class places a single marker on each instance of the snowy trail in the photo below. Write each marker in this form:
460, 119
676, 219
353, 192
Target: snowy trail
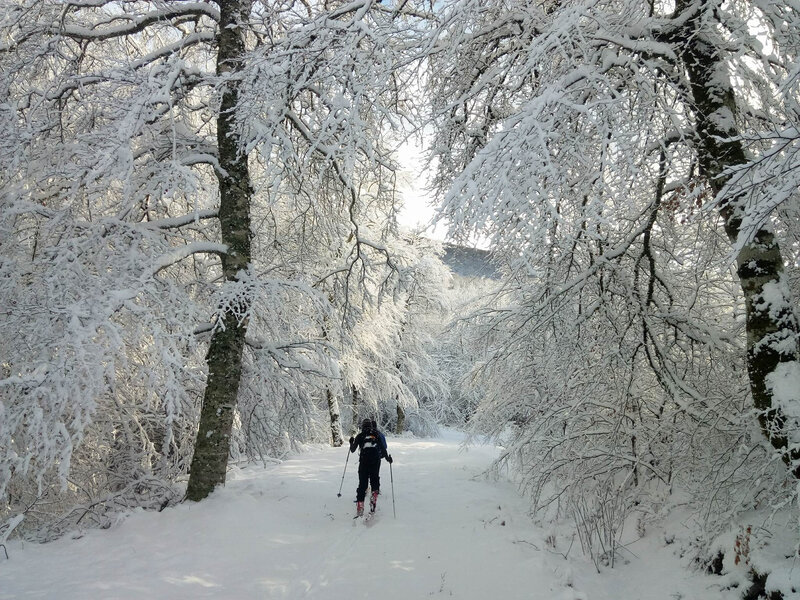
281, 533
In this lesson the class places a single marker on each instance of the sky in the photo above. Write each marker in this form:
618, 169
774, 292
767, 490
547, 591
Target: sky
418, 210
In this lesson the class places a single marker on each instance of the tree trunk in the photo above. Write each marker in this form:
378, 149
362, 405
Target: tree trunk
401, 420
224, 358
212, 445
333, 402
333, 411
356, 424
770, 320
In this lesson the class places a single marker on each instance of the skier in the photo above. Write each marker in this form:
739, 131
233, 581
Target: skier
369, 462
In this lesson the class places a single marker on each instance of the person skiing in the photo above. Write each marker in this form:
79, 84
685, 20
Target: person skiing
369, 462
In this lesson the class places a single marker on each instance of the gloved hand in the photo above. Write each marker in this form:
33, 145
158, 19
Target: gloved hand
352, 439
389, 458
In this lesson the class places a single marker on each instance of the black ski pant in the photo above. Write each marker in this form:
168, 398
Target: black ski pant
368, 474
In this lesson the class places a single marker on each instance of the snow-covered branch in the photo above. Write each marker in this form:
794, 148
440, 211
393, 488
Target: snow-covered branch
120, 25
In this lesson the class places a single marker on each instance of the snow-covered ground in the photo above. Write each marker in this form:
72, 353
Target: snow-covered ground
281, 532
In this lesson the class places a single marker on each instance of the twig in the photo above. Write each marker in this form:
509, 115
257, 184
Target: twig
534, 546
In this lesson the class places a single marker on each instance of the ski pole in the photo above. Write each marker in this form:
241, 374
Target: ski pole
339, 495
391, 477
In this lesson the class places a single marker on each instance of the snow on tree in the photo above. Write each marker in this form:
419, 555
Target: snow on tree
99, 361
143, 144
587, 141
388, 347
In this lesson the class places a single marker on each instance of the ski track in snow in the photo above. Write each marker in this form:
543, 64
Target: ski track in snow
281, 533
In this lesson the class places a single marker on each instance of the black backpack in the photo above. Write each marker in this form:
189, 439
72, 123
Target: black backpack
372, 443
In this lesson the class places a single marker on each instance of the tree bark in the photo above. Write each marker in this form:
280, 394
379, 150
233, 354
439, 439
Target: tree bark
401, 420
333, 402
224, 358
356, 424
771, 326
336, 426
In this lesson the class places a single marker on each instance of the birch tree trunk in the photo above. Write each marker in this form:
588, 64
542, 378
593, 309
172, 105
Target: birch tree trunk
333, 411
770, 320
224, 358
401, 420
356, 424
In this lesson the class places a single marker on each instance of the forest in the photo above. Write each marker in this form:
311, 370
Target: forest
201, 263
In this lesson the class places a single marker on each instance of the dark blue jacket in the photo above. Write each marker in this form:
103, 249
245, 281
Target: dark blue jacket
382, 438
